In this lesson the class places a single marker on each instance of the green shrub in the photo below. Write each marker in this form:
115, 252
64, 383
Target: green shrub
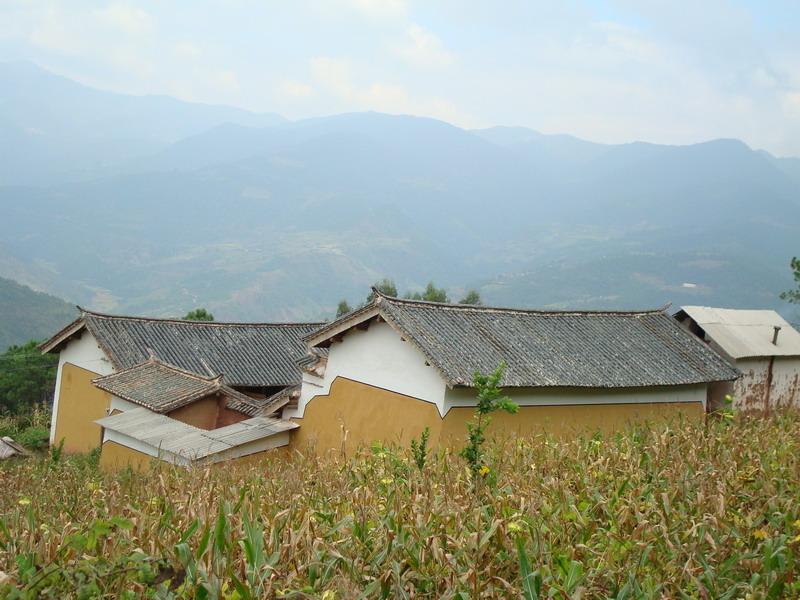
34, 437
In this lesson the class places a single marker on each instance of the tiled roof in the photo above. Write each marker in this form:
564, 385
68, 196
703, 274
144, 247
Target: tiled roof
163, 388
248, 354
172, 436
606, 349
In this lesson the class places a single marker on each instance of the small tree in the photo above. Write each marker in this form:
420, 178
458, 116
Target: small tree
793, 296
198, 314
384, 286
419, 449
490, 399
343, 308
472, 297
434, 294
431, 294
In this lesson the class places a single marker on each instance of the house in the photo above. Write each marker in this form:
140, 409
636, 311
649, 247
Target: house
394, 367
764, 347
135, 386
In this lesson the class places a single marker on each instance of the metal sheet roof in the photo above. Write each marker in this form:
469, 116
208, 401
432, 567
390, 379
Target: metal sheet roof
169, 435
746, 333
607, 349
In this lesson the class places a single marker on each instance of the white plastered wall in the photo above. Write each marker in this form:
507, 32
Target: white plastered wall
83, 352
750, 390
377, 356
121, 405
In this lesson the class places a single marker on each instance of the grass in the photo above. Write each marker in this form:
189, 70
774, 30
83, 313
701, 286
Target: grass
691, 511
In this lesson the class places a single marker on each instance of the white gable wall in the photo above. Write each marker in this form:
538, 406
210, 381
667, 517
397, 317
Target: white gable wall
379, 357
82, 352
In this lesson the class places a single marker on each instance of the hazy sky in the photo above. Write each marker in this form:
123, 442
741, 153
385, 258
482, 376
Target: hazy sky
669, 71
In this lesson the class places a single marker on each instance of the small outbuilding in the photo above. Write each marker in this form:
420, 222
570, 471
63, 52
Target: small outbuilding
762, 345
9, 448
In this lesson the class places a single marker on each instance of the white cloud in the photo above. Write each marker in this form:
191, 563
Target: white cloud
382, 9
336, 76
333, 73
424, 49
187, 50
295, 89
128, 19
52, 30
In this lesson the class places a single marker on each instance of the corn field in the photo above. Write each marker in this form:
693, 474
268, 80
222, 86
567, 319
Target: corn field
682, 511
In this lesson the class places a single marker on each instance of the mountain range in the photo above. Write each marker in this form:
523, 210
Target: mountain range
153, 205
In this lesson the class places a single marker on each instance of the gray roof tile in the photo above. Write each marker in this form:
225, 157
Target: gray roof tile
610, 349
248, 354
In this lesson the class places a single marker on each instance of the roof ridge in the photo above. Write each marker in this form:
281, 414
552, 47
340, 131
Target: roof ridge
157, 361
506, 309
92, 313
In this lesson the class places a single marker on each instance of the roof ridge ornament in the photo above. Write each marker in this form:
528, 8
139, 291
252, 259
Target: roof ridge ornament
208, 369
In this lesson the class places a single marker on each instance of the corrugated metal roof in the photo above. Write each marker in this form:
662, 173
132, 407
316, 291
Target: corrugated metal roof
746, 333
249, 354
169, 435
610, 349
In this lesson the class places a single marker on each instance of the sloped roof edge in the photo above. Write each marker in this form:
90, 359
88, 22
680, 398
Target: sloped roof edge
635, 347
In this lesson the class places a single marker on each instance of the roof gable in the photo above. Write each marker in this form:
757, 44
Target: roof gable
607, 349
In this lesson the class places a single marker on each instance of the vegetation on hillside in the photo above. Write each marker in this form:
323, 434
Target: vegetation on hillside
27, 378
686, 510
26, 314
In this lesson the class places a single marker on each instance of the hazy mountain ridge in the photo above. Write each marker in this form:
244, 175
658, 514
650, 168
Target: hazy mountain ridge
280, 222
64, 131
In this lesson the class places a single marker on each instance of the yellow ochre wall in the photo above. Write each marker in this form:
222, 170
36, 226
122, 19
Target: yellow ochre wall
202, 414
80, 403
361, 414
115, 456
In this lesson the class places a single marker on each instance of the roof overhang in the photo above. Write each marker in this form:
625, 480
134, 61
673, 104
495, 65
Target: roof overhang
60, 339
333, 332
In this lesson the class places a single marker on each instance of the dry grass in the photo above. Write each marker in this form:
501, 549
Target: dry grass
683, 511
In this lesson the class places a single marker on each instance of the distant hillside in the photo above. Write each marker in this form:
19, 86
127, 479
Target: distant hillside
280, 222
26, 314
62, 130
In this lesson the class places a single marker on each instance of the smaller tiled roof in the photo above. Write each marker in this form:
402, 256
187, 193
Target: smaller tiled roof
745, 333
174, 437
163, 388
